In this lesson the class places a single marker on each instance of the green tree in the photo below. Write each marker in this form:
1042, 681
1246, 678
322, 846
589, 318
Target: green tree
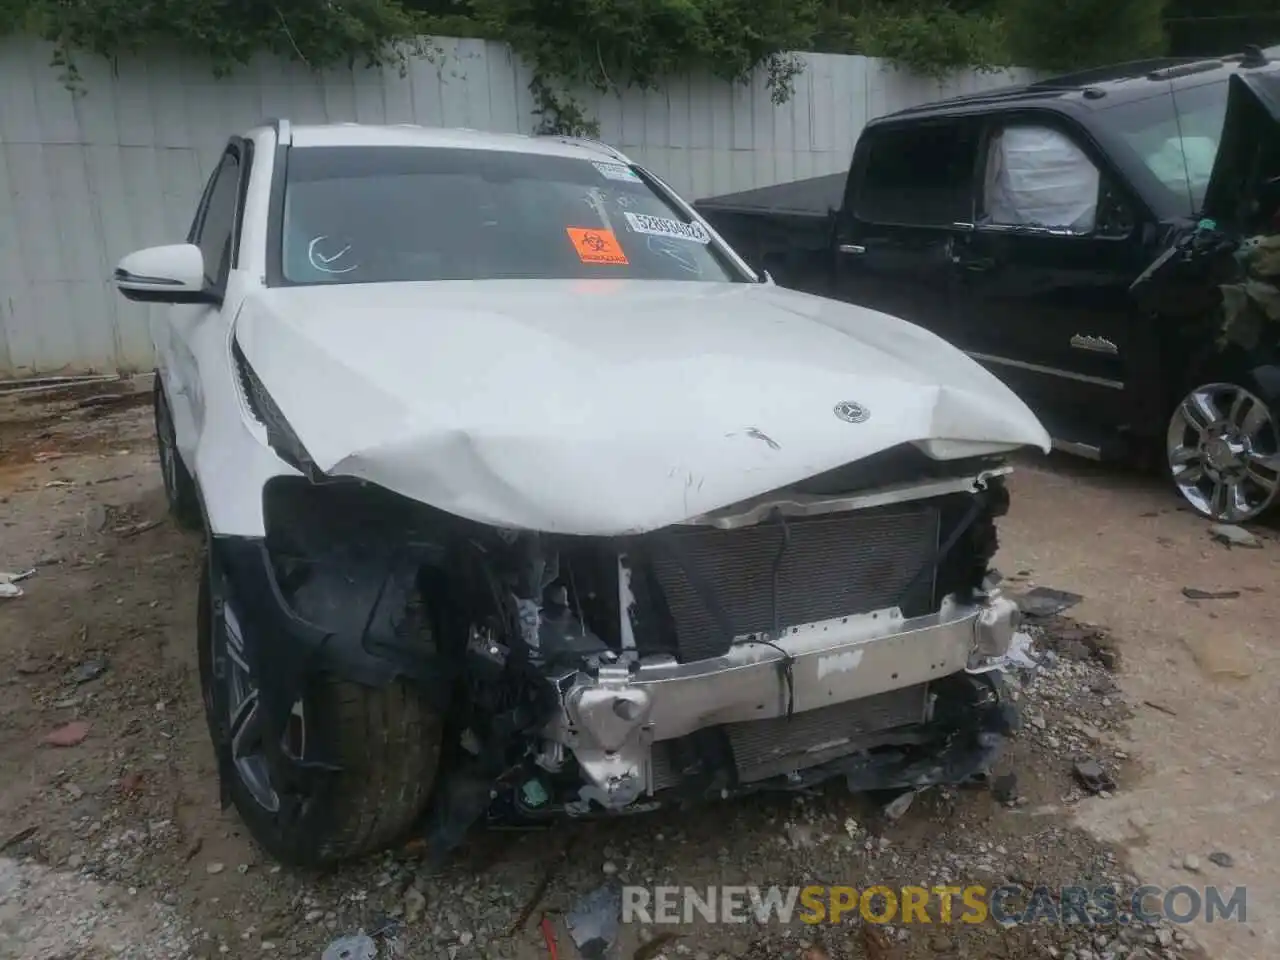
613, 43
1203, 28
226, 31
1069, 34
931, 38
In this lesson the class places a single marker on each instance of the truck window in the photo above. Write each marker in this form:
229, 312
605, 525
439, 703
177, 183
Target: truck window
1175, 135
920, 175
1040, 176
1037, 176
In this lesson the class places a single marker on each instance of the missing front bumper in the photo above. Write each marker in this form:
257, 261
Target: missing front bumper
613, 714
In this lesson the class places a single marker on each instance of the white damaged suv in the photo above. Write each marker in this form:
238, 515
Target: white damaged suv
525, 497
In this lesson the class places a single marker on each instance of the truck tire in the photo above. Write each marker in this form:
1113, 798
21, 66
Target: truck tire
179, 486
1222, 451
384, 740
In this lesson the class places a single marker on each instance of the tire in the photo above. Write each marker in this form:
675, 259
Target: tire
179, 486
1222, 451
385, 741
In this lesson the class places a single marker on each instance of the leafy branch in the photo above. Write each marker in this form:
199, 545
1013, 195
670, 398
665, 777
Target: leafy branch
601, 44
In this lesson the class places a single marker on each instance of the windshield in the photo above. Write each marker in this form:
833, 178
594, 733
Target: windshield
384, 214
1176, 137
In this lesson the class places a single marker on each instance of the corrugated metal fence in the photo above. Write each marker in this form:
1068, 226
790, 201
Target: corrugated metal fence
85, 178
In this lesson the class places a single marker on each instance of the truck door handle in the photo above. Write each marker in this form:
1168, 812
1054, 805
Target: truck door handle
853, 249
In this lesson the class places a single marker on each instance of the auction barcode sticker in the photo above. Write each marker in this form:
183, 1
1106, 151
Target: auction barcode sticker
665, 227
616, 171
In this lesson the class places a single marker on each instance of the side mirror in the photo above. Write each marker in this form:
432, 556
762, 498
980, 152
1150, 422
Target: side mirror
168, 274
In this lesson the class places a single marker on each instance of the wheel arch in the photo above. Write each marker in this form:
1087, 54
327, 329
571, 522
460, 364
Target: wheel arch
1257, 370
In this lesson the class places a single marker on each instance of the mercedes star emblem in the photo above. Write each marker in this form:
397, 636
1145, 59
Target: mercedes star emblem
851, 412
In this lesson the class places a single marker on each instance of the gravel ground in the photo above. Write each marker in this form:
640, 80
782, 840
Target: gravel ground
116, 846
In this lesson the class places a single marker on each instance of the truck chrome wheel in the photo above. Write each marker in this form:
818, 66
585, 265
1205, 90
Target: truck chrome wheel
1223, 452
244, 717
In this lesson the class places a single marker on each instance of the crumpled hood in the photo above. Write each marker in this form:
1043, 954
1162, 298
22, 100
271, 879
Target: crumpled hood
1252, 121
605, 407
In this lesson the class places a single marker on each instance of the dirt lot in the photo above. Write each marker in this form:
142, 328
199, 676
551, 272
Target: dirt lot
116, 846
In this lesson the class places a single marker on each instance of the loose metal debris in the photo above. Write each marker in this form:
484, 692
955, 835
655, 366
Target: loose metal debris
1047, 602
1192, 593
594, 920
9, 583
357, 947
1020, 652
896, 808
88, 671
1232, 536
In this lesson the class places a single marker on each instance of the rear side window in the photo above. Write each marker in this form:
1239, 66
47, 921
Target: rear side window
919, 175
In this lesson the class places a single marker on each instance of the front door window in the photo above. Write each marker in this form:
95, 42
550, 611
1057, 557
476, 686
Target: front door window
1037, 177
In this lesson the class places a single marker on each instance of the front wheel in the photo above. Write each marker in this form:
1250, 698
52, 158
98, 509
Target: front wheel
385, 742
1223, 452
179, 485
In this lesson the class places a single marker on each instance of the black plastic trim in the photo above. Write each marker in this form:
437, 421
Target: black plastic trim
284, 649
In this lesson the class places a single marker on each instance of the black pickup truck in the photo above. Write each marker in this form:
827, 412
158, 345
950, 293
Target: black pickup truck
1105, 243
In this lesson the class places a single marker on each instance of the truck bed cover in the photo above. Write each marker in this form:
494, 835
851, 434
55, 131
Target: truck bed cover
814, 197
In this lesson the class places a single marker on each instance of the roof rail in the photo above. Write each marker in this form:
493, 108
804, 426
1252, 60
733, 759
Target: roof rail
970, 100
1185, 70
590, 142
1134, 68
284, 133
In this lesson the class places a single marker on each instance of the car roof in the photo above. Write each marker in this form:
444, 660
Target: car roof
413, 135
1098, 88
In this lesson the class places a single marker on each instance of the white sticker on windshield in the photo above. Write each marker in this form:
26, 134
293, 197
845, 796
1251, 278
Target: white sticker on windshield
616, 171
664, 227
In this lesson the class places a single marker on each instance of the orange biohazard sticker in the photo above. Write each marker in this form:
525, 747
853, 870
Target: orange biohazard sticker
596, 246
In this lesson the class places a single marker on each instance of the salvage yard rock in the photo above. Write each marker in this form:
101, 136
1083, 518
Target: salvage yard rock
1093, 778
67, 735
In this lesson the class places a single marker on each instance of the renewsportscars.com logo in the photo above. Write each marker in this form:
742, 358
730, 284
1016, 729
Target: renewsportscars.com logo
1008, 905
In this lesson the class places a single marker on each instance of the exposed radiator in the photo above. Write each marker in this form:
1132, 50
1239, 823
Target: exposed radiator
834, 565
770, 748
